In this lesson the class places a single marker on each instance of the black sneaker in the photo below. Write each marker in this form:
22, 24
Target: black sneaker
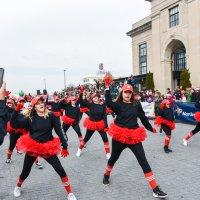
106, 180
158, 193
8, 161
167, 150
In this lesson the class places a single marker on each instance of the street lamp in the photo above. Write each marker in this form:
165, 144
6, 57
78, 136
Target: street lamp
65, 79
45, 85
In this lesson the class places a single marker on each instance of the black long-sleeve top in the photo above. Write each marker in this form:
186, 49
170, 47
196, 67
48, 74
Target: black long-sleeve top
9, 112
40, 128
97, 112
166, 113
71, 111
127, 113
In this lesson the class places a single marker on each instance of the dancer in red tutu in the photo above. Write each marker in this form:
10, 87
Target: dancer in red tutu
71, 116
97, 121
15, 134
83, 109
55, 105
40, 142
197, 128
126, 133
165, 119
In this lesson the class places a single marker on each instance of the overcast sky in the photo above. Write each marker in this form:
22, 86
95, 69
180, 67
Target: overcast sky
40, 38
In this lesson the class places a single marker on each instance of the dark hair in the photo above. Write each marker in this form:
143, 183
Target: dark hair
119, 99
96, 94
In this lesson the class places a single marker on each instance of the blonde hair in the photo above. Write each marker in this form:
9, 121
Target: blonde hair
29, 113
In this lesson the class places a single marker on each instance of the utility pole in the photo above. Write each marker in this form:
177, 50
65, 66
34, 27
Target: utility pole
45, 84
65, 87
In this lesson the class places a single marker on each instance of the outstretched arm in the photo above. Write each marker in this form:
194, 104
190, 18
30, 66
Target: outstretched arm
59, 132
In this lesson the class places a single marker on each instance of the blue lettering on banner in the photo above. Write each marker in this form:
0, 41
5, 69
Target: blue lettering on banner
184, 112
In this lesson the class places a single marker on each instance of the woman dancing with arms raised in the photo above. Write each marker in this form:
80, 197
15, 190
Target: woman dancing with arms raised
126, 133
40, 142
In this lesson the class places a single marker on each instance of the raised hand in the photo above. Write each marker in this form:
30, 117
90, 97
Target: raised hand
108, 80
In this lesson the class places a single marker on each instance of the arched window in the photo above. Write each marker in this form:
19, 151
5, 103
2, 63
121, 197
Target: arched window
178, 60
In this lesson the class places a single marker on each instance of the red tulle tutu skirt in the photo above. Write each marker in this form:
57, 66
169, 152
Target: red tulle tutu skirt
33, 148
161, 121
25, 132
84, 110
57, 114
197, 116
68, 120
12, 130
126, 135
92, 125
108, 111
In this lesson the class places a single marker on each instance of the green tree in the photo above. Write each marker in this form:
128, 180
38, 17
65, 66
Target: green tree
149, 81
185, 79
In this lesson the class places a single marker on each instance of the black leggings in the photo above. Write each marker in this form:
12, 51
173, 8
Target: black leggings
76, 128
137, 149
13, 140
53, 161
166, 129
89, 134
197, 128
81, 115
2, 135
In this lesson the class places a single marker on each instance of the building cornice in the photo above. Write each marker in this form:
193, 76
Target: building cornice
145, 27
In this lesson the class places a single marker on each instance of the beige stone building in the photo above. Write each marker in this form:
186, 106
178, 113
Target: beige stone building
166, 42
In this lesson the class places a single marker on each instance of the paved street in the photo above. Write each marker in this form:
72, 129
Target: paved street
177, 173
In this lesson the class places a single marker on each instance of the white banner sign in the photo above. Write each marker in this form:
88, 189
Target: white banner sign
149, 109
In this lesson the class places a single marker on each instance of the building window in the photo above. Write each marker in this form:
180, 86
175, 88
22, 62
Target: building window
143, 58
179, 60
173, 16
